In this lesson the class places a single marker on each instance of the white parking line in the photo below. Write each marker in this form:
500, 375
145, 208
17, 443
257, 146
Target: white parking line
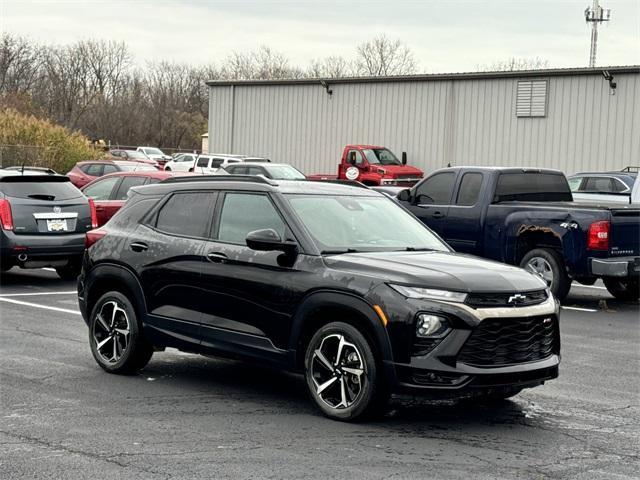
580, 309
46, 307
37, 293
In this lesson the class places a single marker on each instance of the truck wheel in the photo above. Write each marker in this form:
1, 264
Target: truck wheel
623, 289
168, 169
115, 336
549, 265
341, 373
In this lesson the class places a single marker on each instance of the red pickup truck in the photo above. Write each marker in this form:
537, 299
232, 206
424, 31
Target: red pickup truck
373, 165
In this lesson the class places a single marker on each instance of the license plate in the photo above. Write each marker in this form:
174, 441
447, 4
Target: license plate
57, 225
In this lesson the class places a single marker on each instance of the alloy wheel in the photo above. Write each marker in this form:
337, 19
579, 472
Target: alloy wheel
540, 267
337, 369
111, 332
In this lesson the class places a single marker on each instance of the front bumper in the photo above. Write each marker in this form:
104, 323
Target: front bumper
615, 267
399, 182
440, 373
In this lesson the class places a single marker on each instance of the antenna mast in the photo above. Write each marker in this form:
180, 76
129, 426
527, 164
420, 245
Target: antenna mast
595, 15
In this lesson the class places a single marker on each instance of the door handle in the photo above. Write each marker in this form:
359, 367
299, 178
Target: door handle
139, 246
437, 215
217, 257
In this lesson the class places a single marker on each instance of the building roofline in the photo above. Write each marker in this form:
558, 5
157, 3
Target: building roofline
553, 72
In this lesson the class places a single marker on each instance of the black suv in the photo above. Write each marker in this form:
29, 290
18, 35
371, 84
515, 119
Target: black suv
338, 282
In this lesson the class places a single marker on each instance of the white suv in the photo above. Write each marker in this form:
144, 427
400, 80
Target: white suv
213, 162
183, 162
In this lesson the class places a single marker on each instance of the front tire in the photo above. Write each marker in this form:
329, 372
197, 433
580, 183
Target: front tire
115, 335
342, 373
549, 265
168, 169
625, 289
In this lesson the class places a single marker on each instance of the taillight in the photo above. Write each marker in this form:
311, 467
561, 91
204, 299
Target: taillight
5, 214
92, 236
94, 214
598, 237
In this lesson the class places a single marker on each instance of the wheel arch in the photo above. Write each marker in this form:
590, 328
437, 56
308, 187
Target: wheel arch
323, 307
107, 277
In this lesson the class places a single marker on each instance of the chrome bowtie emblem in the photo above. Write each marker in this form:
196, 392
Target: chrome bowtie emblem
517, 298
57, 209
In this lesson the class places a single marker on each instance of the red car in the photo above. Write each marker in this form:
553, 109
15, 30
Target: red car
85, 172
110, 191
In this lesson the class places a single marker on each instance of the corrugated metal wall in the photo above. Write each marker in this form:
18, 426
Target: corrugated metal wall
462, 122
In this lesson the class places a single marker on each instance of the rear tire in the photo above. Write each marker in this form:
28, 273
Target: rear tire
623, 289
168, 169
115, 335
549, 265
69, 271
342, 373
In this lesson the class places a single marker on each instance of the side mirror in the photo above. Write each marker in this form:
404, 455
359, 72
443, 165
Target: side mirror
404, 158
404, 195
268, 240
352, 158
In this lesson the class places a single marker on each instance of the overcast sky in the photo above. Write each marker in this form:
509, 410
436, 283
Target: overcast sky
445, 36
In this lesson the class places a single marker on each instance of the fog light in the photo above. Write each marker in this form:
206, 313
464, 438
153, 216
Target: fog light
431, 326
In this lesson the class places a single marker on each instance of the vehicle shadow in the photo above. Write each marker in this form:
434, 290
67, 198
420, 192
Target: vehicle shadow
33, 278
280, 392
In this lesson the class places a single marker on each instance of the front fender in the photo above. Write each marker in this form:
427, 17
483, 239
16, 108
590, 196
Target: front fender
335, 299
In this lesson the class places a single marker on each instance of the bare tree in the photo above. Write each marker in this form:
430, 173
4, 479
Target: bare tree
512, 64
331, 67
383, 56
20, 64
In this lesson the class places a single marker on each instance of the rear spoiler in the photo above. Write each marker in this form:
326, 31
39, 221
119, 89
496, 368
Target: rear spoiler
34, 178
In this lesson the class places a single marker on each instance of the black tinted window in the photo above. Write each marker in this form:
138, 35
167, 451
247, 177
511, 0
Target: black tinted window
216, 162
243, 213
186, 214
469, 189
36, 189
532, 187
436, 189
203, 162
127, 183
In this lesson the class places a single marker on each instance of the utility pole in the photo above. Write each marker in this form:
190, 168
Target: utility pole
595, 15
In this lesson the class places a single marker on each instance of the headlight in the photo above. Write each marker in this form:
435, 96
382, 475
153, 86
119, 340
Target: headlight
429, 293
431, 326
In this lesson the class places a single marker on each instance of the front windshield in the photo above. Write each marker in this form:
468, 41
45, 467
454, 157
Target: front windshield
284, 172
153, 151
381, 156
361, 223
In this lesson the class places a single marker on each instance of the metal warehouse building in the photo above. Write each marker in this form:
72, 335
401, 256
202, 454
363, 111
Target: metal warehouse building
570, 119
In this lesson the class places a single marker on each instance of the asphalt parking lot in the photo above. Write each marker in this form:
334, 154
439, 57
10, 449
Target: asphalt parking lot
186, 416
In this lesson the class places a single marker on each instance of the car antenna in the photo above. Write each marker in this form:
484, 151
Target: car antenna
22, 169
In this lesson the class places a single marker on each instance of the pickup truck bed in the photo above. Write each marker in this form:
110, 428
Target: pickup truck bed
527, 218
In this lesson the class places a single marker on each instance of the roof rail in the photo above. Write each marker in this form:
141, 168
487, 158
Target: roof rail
351, 183
631, 169
221, 178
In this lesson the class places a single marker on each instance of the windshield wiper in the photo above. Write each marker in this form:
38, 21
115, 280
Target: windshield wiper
418, 249
338, 252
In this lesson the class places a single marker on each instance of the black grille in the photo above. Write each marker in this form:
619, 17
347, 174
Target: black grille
506, 341
516, 299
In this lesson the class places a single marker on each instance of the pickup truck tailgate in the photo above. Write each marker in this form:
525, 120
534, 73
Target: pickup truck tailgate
625, 231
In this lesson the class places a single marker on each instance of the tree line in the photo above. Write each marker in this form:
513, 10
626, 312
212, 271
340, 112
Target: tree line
97, 87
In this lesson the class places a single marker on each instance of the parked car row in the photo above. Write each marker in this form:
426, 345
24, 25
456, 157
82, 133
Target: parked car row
207, 163
610, 187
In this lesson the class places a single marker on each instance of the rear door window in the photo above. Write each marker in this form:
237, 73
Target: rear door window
216, 162
469, 190
127, 183
532, 187
203, 162
94, 169
245, 212
187, 214
108, 168
101, 190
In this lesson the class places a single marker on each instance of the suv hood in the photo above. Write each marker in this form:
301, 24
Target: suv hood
401, 170
440, 270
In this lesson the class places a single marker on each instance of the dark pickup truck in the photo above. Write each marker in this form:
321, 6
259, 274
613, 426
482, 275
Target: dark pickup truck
527, 217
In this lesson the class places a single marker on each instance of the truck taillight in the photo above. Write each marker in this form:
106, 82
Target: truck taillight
5, 214
92, 236
598, 236
94, 214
